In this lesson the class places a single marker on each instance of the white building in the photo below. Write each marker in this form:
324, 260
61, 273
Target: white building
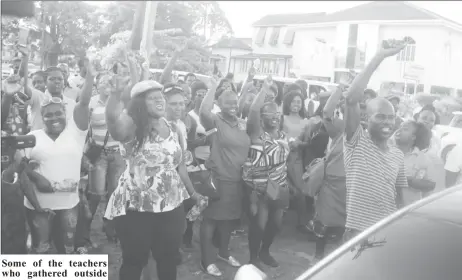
224, 49
323, 46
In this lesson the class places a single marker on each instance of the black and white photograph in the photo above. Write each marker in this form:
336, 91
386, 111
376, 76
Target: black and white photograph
231, 140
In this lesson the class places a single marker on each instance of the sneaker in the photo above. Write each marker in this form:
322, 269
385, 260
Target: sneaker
230, 260
267, 259
212, 269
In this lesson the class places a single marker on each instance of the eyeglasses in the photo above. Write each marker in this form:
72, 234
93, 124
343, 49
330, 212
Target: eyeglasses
169, 89
52, 100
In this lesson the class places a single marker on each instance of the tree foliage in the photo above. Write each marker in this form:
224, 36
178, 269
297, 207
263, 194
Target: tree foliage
190, 17
72, 26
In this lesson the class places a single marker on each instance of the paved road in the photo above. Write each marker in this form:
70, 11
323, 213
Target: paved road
291, 249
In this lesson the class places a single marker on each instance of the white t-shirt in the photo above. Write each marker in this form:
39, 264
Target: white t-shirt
59, 162
454, 162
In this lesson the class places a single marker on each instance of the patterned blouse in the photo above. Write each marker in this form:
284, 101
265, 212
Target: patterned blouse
150, 182
277, 151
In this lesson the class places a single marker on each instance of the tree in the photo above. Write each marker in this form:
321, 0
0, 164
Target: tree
209, 15
70, 27
186, 16
66, 27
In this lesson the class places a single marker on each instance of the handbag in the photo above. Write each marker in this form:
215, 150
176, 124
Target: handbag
274, 192
314, 177
316, 172
93, 151
203, 182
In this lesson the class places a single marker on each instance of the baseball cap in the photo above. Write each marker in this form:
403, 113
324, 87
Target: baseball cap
144, 86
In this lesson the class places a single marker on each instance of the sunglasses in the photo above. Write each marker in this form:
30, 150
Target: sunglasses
271, 115
53, 100
169, 89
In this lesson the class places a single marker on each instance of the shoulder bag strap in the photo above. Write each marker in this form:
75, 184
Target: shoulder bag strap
265, 155
106, 138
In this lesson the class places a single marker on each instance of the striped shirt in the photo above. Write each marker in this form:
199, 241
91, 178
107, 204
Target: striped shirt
372, 179
98, 123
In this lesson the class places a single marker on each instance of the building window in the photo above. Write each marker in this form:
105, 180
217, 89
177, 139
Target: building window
289, 37
352, 46
275, 36
260, 39
407, 55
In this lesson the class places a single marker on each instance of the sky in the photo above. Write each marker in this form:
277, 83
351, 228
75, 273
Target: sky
242, 14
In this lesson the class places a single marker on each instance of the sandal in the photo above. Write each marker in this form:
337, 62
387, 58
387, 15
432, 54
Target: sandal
212, 269
230, 260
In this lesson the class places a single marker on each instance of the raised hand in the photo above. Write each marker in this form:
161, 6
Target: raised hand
130, 56
181, 46
266, 85
119, 83
391, 47
90, 68
213, 83
11, 85
25, 51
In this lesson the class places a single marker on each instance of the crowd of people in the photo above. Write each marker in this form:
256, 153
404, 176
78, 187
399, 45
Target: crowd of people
342, 160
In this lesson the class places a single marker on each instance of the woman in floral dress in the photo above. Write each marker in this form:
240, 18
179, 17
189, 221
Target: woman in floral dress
147, 205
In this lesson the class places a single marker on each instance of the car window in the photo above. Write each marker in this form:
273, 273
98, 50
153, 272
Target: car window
416, 247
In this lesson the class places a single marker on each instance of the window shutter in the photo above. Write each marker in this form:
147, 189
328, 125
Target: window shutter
289, 37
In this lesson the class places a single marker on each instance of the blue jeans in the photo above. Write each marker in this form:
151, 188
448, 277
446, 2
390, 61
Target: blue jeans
60, 229
103, 178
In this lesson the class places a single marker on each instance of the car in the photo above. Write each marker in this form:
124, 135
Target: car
422, 241
313, 86
180, 75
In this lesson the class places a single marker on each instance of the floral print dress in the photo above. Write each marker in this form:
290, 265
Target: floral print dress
151, 182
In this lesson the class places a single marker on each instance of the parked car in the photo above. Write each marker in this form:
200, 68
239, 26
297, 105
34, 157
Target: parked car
313, 86
420, 242
180, 75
